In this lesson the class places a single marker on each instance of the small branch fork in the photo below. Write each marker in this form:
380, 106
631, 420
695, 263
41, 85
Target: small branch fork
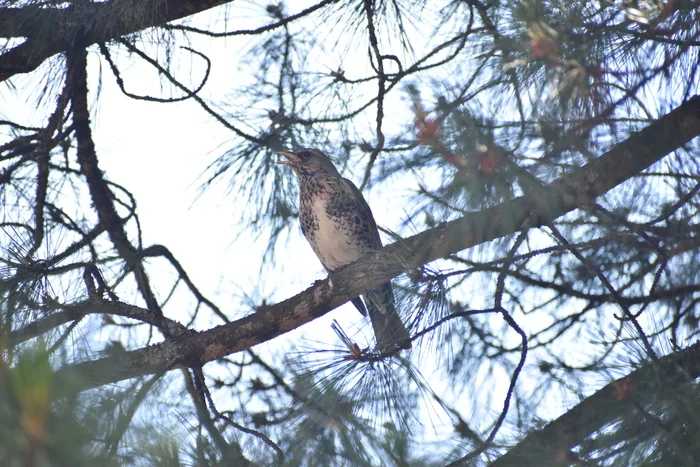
498, 306
42, 156
606, 283
381, 82
100, 193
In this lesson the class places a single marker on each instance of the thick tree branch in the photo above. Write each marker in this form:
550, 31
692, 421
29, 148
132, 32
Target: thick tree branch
53, 30
612, 402
578, 189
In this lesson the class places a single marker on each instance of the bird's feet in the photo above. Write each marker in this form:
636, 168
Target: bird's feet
333, 273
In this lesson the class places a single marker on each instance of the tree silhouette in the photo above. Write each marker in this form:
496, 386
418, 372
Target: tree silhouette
546, 258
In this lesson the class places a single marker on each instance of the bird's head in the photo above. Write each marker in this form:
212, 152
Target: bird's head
307, 162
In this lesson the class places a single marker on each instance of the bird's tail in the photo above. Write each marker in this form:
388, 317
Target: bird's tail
389, 330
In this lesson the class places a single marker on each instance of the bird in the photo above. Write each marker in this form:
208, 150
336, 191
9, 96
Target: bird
338, 224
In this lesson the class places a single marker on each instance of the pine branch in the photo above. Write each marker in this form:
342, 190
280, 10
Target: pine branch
577, 189
53, 30
546, 446
77, 311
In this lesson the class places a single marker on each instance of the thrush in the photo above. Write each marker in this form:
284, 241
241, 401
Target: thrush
338, 223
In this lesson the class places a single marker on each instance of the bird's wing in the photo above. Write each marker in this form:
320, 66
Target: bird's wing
356, 195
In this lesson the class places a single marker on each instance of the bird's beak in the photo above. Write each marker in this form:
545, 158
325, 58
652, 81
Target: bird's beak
293, 158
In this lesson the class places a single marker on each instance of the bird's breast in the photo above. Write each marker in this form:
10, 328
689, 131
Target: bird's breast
335, 232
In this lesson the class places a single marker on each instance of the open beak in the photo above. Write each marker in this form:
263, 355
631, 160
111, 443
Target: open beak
293, 158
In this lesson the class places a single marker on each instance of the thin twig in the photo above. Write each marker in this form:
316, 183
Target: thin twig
606, 283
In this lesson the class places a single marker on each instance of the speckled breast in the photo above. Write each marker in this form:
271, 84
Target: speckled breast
333, 224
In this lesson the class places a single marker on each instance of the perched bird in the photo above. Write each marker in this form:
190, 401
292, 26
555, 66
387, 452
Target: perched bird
338, 223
